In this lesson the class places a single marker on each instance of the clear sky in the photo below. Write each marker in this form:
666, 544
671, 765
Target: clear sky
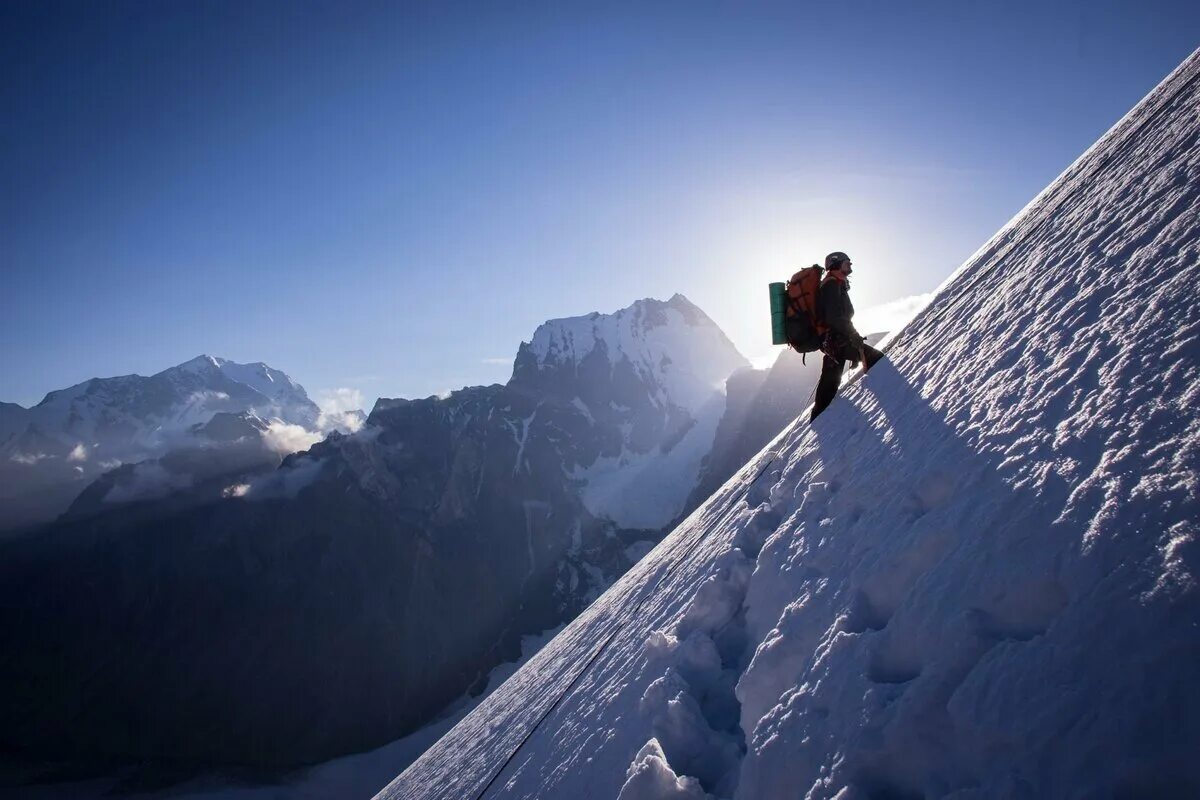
390, 197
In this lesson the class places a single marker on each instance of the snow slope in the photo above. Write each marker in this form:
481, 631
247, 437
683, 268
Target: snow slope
973, 577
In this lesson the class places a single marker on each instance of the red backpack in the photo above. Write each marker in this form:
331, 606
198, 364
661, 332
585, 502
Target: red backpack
805, 323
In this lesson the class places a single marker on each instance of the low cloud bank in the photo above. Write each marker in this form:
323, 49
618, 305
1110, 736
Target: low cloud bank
341, 409
286, 481
28, 458
148, 481
284, 438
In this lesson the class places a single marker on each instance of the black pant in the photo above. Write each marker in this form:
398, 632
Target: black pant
831, 371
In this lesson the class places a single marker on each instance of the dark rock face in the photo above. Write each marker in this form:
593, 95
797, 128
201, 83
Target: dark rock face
341, 600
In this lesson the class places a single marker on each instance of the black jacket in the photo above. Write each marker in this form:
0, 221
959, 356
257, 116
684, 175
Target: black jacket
838, 311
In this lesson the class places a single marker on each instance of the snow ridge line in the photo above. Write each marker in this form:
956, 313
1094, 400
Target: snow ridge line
1004, 242
646, 595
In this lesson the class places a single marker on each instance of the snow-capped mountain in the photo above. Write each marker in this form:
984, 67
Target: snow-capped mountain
975, 576
376, 577
49, 453
649, 380
140, 410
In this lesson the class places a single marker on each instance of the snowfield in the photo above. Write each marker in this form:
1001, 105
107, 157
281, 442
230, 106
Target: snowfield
973, 577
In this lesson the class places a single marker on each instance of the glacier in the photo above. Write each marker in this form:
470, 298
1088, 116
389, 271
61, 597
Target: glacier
973, 577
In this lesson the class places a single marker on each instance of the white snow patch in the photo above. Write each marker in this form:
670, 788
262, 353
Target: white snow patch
891, 316
648, 490
650, 777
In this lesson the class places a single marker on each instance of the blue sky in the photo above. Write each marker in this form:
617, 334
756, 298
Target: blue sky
390, 197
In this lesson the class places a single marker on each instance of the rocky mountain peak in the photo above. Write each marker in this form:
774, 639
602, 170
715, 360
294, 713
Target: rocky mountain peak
670, 348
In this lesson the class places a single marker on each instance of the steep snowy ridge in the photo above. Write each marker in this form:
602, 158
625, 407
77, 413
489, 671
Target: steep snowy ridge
974, 576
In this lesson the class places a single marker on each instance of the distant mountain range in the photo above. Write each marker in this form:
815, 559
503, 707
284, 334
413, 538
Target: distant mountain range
285, 615
51, 452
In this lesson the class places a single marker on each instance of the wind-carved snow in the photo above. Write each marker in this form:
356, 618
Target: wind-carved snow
974, 576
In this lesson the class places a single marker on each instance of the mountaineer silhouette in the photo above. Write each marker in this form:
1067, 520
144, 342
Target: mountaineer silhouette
842, 342
811, 313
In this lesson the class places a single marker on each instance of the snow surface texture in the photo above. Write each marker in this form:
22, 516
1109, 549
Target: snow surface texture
974, 576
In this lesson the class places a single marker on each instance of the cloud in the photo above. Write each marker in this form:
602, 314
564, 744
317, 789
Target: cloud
78, 453
28, 458
196, 398
765, 360
890, 317
506, 362
287, 481
147, 481
284, 438
341, 409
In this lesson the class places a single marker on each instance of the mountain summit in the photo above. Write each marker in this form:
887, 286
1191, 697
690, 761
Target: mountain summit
974, 576
649, 381
673, 345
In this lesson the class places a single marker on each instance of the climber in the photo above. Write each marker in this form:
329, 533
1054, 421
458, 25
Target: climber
842, 342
